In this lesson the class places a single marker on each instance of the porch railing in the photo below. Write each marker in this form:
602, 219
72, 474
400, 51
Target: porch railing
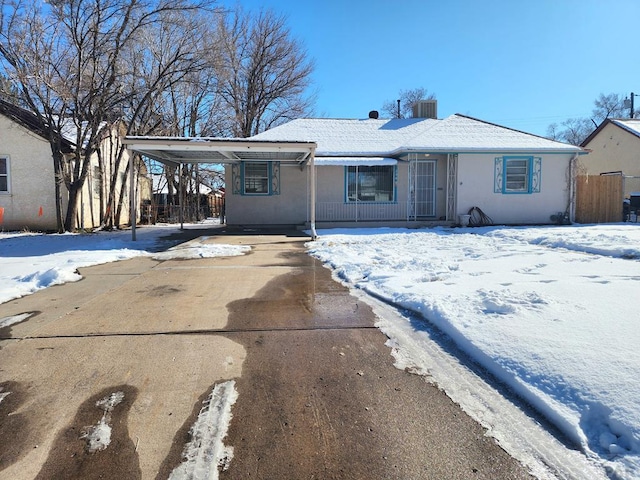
360, 211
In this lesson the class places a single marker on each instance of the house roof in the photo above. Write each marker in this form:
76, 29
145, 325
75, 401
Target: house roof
380, 137
31, 122
631, 125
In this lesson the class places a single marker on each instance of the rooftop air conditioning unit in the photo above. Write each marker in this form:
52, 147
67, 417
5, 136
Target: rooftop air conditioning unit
425, 109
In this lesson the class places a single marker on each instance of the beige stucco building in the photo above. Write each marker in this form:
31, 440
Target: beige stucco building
615, 147
27, 179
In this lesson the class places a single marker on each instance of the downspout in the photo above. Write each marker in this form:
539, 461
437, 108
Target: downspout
312, 213
132, 197
572, 188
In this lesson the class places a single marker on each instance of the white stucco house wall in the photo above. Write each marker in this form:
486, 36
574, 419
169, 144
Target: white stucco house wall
417, 171
27, 188
615, 147
27, 179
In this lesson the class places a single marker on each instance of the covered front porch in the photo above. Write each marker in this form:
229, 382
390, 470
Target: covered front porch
418, 188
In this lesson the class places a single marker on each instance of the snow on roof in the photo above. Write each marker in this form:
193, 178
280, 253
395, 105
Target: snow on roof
384, 137
632, 125
70, 131
462, 133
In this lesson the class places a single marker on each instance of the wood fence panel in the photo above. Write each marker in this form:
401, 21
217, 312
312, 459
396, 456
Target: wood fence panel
599, 198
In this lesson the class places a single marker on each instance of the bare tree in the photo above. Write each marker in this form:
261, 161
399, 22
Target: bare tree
576, 130
67, 58
168, 81
572, 130
608, 106
406, 99
265, 72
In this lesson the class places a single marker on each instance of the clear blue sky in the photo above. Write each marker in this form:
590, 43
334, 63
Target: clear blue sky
519, 63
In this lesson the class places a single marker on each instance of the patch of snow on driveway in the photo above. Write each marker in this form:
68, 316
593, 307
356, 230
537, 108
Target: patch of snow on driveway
206, 452
99, 436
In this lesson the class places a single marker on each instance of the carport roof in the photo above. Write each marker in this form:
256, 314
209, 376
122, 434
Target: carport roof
179, 150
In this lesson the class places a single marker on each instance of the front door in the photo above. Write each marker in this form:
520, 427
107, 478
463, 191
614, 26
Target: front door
422, 178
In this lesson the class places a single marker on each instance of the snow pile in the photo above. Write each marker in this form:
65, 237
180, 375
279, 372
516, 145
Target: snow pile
99, 436
206, 452
556, 324
199, 249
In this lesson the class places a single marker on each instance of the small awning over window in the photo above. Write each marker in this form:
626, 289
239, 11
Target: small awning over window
355, 161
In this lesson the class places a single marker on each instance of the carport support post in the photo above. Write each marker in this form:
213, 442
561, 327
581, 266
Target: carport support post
312, 217
132, 196
181, 196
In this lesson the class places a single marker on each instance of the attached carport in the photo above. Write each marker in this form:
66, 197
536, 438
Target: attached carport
178, 151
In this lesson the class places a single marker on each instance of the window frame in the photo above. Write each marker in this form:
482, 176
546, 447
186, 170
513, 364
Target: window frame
268, 178
533, 175
394, 182
6, 175
526, 187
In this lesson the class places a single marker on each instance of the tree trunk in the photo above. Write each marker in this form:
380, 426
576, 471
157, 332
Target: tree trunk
123, 188
57, 162
112, 206
72, 207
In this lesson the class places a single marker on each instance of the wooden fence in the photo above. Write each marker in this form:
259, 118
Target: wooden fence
599, 198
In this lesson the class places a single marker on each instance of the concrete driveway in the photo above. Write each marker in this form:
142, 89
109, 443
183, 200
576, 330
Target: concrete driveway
318, 395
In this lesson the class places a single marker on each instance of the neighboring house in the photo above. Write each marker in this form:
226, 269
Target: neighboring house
615, 148
27, 179
406, 171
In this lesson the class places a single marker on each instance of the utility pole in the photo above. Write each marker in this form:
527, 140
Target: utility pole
628, 103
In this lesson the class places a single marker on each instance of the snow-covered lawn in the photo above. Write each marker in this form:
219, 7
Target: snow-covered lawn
550, 311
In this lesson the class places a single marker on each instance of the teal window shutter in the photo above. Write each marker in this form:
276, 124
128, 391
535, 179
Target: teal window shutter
536, 174
498, 175
275, 178
236, 179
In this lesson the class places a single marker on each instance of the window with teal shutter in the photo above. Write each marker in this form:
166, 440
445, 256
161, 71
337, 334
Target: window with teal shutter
517, 174
256, 178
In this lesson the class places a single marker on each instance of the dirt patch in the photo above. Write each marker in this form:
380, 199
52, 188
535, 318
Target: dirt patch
162, 291
74, 456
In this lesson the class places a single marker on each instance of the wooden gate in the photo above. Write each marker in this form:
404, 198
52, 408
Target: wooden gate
599, 198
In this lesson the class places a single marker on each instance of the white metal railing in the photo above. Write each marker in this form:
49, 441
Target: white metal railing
360, 211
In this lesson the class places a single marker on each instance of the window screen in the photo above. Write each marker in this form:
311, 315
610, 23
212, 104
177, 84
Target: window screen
370, 184
256, 177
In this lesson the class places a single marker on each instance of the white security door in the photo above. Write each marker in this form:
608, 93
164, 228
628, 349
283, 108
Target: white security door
422, 178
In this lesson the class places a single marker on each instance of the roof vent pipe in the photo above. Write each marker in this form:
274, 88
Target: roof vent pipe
374, 114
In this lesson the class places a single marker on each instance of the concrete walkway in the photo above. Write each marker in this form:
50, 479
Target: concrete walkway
318, 394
